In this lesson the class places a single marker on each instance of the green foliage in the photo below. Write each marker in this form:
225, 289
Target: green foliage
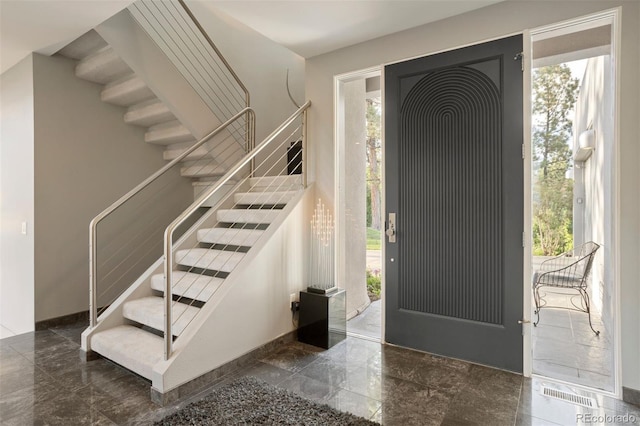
374, 283
369, 216
373, 151
554, 95
374, 241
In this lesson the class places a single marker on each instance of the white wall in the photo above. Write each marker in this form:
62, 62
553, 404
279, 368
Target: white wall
261, 65
17, 203
352, 160
594, 109
492, 22
86, 158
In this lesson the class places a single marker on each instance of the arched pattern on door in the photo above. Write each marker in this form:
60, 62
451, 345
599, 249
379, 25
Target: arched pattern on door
451, 155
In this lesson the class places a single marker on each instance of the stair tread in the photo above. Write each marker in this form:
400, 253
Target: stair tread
202, 170
102, 66
127, 91
172, 152
131, 347
214, 260
278, 183
264, 197
150, 311
230, 236
168, 133
186, 284
148, 113
83, 46
256, 216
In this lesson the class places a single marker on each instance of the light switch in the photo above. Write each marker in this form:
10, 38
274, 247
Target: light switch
24, 228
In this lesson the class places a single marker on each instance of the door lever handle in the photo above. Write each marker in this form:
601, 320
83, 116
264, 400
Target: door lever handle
391, 231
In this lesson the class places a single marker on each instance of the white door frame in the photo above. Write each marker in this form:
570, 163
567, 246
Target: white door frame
338, 138
611, 16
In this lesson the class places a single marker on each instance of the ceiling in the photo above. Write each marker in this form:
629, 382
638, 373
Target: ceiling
313, 27
308, 27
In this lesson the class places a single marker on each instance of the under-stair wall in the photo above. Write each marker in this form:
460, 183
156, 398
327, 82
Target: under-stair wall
253, 307
85, 158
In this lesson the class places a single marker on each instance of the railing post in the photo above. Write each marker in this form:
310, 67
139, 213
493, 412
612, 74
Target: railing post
93, 275
168, 296
252, 140
304, 148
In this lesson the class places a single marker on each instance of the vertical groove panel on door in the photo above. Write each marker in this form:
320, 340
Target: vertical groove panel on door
451, 175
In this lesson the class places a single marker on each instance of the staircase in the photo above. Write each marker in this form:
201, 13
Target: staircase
99, 63
225, 237
181, 319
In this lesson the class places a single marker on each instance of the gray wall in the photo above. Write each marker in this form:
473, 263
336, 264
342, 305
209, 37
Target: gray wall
17, 204
85, 158
491, 22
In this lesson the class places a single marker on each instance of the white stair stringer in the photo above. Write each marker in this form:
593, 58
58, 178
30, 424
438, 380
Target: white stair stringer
141, 304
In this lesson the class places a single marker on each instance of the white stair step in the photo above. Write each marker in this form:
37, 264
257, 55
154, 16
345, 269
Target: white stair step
131, 347
127, 91
83, 46
214, 260
277, 183
230, 236
148, 113
186, 284
269, 198
150, 312
168, 133
103, 66
173, 151
247, 215
202, 168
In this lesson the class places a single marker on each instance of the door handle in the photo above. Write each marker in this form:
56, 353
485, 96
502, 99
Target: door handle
391, 231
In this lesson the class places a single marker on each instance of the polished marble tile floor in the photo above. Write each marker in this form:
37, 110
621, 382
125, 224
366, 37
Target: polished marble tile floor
43, 381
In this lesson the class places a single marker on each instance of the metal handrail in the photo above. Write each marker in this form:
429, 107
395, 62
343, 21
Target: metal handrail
215, 48
93, 249
168, 233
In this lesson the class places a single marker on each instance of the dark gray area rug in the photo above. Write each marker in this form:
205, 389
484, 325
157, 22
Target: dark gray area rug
249, 401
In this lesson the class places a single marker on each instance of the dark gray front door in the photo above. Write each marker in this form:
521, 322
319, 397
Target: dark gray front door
454, 179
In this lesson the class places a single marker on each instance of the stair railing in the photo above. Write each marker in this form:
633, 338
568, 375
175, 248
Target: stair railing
177, 32
271, 165
231, 151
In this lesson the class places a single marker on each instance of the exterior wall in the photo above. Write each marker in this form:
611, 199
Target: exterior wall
353, 239
594, 110
17, 206
501, 19
85, 158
